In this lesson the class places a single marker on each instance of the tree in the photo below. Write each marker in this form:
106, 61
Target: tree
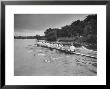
78, 29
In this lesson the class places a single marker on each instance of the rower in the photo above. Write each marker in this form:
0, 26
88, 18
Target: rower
60, 46
72, 48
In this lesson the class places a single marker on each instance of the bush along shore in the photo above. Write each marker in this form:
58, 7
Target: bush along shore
81, 33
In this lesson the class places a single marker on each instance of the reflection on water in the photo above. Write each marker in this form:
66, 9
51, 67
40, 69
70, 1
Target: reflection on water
29, 59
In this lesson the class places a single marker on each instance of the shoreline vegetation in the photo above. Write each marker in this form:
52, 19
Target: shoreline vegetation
80, 33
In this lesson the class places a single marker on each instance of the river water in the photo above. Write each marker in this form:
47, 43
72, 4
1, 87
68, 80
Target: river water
30, 60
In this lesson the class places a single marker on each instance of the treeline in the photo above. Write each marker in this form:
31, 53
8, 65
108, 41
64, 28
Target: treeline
24, 37
30, 37
81, 31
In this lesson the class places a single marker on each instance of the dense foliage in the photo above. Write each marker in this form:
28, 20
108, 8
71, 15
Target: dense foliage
81, 31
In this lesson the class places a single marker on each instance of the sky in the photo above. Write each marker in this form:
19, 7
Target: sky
32, 24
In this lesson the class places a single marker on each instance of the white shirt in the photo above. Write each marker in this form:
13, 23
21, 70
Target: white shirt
72, 48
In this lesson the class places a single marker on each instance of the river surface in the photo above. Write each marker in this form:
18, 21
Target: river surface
30, 60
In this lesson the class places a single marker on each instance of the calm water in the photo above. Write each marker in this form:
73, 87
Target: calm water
30, 60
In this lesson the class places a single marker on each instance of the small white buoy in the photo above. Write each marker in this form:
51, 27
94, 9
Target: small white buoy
41, 54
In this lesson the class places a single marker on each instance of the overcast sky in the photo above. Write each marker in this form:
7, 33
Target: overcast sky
32, 24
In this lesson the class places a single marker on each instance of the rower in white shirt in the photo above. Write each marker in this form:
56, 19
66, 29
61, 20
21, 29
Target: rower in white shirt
72, 48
